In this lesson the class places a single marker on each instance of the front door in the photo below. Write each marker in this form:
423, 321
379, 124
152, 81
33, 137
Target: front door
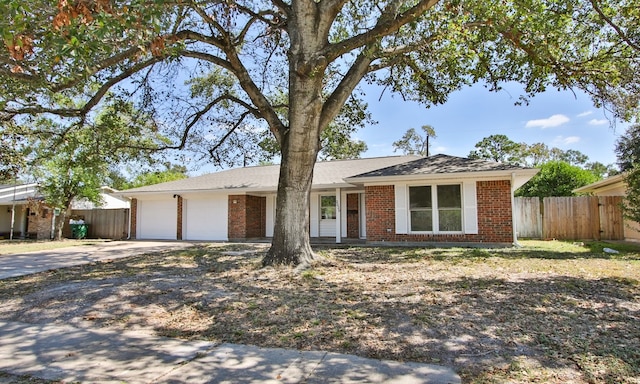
328, 213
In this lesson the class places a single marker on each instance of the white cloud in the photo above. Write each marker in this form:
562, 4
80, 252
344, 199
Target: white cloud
561, 140
598, 122
549, 122
585, 113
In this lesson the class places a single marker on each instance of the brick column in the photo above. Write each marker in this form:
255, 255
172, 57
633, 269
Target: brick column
494, 211
179, 215
134, 218
380, 207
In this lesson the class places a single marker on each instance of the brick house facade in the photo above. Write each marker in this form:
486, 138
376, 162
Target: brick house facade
373, 205
247, 217
40, 221
494, 216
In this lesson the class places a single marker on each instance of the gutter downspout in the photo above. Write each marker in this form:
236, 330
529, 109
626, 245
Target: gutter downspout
513, 212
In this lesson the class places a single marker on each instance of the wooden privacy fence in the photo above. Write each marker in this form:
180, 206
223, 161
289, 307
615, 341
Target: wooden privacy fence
570, 218
102, 223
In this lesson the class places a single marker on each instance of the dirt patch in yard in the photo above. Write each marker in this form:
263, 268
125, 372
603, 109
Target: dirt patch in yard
542, 313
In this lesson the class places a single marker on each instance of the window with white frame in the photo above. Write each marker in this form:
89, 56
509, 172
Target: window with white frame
327, 207
435, 206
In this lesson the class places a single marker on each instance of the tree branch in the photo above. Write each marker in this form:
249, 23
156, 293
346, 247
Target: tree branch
345, 88
226, 136
108, 62
264, 107
616, 27
130, 53
209, 20
198, 115
282, 6
93, 101
407, 48
388, 23
331, 8
208, 57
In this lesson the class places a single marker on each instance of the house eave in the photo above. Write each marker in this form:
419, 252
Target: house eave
602, 184
230, 191
325, 187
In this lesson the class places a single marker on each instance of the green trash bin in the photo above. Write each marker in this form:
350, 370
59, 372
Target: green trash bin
79, 231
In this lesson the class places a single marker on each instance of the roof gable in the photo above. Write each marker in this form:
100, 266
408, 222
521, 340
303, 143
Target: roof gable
440, 164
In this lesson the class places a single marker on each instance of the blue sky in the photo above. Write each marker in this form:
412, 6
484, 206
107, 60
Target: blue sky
559, 119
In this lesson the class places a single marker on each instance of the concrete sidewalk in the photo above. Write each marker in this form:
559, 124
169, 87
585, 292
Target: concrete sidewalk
58, 352
21, 264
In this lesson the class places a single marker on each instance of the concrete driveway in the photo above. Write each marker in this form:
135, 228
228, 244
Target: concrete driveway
21, 264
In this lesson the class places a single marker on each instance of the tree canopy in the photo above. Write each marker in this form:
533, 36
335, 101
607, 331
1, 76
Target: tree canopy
170, 173
497, 148
556, 178
504, 150
11, 160
314, 51
628, 153
414, 143
71, 162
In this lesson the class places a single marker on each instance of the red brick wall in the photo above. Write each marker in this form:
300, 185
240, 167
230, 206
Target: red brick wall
353, 217
237, 216
495, 222
39, 220
247, 216
494, 216
380, 208
256, 216
134, 218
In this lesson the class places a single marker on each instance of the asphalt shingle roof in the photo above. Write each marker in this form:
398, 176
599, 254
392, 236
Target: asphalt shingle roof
265, 178
439, 164
17, 193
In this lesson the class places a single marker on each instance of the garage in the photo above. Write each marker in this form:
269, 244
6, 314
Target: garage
157, 219
205, 218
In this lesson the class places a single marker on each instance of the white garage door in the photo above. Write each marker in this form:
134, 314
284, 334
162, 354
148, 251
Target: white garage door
205, 218
157, 219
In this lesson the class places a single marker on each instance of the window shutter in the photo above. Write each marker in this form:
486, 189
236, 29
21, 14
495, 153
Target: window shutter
470, 202
402, 222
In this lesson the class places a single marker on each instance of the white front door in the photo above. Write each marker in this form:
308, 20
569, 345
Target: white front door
328, 214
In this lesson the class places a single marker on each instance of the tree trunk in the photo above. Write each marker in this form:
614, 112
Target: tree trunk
59, 225
299, 150
300, 142
290, 245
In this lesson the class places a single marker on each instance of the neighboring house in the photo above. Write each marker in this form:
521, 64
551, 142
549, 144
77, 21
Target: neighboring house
31, 218
387, 199
110, 200
614, 186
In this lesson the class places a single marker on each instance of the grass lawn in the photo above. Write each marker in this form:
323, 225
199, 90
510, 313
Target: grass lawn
546, 312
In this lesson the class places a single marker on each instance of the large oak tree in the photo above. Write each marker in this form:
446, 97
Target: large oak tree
314, 51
